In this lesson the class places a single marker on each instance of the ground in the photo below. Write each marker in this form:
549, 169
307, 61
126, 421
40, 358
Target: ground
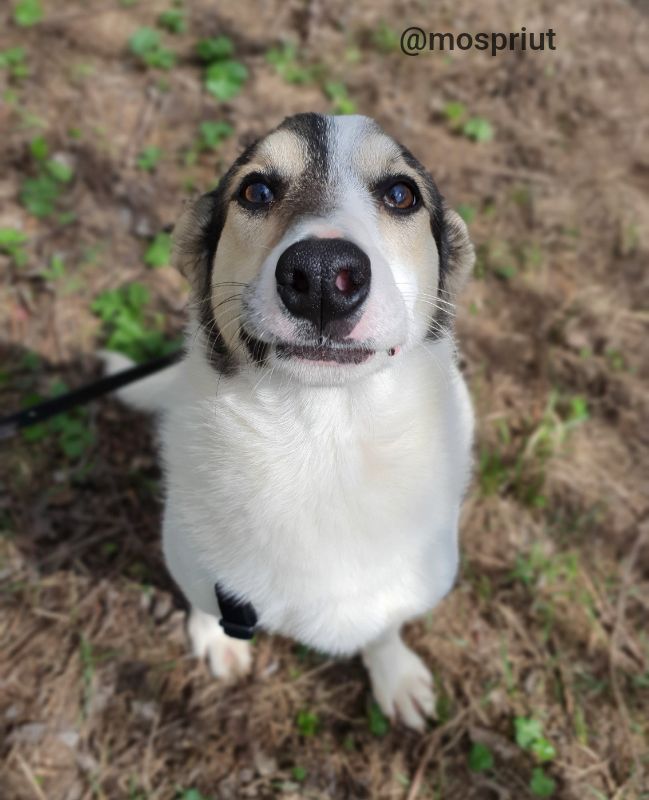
541, 653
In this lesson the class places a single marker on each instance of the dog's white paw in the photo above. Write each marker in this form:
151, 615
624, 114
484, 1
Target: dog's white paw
401, 682
228, 658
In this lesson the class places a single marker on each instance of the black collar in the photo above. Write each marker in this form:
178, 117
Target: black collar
238, 619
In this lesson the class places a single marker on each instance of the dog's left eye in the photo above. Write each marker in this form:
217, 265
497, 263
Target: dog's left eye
400, 196
258, 193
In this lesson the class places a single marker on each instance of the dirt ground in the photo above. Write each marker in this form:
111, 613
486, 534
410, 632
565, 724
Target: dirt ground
541, 652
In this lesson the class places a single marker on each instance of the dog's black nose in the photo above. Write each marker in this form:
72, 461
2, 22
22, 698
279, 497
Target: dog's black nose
323, 279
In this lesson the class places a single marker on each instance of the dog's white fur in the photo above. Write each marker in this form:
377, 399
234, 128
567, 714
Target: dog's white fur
333, 509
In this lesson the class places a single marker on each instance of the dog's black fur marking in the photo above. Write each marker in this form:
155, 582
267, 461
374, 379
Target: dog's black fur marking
211, 226
313, 131
257, 349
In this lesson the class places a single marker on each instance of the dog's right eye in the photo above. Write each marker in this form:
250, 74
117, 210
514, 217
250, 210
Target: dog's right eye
257, 193
400, 196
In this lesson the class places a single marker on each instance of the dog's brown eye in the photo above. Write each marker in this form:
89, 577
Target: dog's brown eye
401, 196
258, 193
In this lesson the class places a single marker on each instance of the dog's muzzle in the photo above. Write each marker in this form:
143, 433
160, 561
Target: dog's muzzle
323, 280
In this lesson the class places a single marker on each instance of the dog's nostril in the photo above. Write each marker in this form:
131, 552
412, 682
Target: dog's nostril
344, 282
300, 282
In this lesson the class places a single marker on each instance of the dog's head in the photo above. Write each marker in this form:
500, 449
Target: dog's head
326, 251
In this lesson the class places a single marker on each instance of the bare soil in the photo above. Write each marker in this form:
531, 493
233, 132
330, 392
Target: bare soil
549, 619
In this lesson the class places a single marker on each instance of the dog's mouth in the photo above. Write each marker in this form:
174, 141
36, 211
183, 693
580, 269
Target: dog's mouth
325, 353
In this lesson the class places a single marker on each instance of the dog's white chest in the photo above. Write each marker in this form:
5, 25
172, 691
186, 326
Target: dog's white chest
333, 512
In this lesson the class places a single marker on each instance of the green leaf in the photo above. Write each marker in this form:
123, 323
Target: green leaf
130, 299
377, 722
173, 20
478, 129
191, 794
579, 409
543, 750
126, 328
454, 112
137, 295
36, 433
480, 758
158, 253
542, 785
56, 269
38, 148
299, 773
148, 158
12, 57
505, 271
527, 731
342, 102
385, 38
60, 171
308, 723
10, 238
27, 13
147, 45
143, 41
39, 195
32, 362
224, 79
20, 71
75, 436
160, 58
285, 59
212, 134
217, 48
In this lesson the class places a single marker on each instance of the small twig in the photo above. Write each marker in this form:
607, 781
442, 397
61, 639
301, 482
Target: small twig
31, 778
146, 769
430, 750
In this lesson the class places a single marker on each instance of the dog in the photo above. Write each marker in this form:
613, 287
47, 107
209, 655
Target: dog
317, 433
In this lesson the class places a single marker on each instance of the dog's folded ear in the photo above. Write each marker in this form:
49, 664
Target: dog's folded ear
459, 256
188, 253
195, 237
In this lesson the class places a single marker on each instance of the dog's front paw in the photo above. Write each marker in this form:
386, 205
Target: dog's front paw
401, 682
228, 658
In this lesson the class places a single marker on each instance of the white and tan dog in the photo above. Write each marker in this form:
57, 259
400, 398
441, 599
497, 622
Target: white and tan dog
317, 434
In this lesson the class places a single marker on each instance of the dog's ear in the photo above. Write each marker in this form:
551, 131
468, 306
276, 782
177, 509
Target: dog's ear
195, 238
457, 262
197, 232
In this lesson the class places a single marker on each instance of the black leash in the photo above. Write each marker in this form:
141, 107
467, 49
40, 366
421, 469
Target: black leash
11, 424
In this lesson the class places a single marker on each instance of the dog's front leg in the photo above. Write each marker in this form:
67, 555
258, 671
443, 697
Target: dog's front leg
228, 658
401, 682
